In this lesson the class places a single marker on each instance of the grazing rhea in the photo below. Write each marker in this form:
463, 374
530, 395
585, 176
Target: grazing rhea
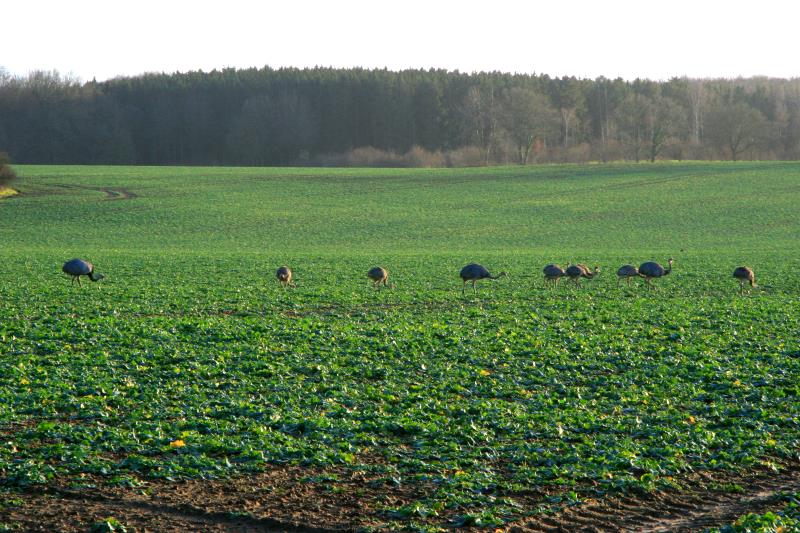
284, 275
553, 273
744, 274
378, 275
576, 272
652, 270
473, 272
627, 272
589, 274
78, 267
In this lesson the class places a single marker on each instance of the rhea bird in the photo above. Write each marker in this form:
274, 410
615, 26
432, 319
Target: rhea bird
651, 269
628, 272
79, 267
473, 272
744, 275
284, 275
553, 273
378, 275
576, 272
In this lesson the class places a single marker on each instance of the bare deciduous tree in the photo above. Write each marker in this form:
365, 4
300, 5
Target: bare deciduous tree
697, 99
566, 94
633, 125
527, 117
480, 116
735, 128
662, 117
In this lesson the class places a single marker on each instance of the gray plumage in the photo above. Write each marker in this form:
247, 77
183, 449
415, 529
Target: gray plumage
553, 273
284, 275
473, 272
744, 275
627, 272
576, 272
652, 270
78, 267
378, 275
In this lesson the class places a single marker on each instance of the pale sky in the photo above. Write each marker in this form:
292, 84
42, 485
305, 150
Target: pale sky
655, 39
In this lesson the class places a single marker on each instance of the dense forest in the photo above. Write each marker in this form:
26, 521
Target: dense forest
325, 116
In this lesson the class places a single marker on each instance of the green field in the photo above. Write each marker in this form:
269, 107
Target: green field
189, 360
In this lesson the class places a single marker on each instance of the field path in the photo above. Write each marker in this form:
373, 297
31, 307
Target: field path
695, 509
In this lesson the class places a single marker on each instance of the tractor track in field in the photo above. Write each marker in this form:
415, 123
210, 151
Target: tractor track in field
629, 184
701, 505
115, 193
617, 186
581, 189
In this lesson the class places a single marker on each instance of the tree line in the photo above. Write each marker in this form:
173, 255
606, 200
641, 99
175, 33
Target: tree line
327, 116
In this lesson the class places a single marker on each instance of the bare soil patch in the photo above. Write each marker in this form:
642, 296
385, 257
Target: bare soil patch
283, 498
